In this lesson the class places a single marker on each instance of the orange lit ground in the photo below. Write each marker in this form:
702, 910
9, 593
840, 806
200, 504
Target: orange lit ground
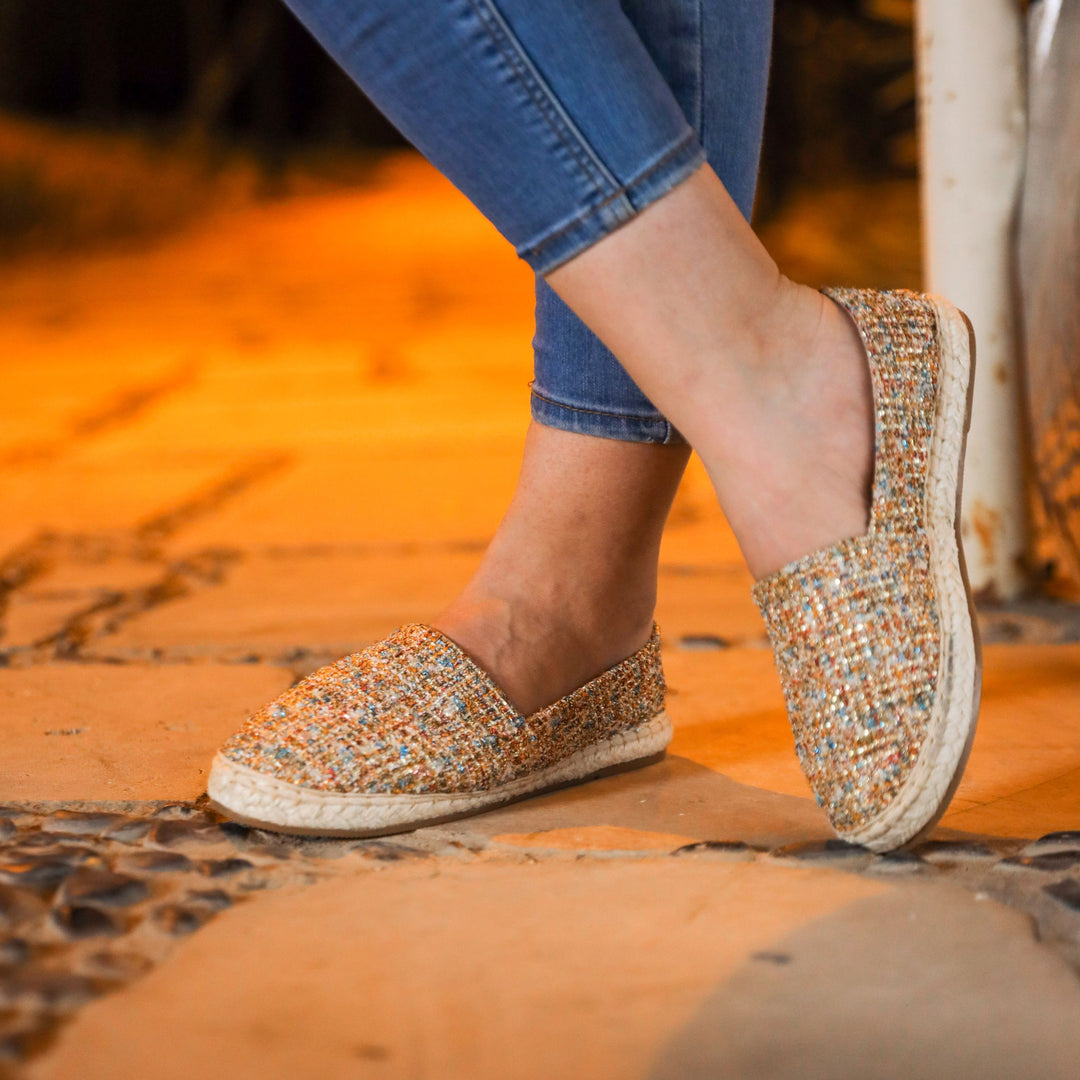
278, 436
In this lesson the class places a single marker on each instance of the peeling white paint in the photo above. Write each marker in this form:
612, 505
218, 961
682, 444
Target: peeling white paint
972, 129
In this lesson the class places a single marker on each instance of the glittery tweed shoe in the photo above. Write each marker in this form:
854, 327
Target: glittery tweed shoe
874, 637
411, 732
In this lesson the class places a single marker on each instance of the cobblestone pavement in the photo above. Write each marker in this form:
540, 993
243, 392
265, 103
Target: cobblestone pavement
92, 900
268, 442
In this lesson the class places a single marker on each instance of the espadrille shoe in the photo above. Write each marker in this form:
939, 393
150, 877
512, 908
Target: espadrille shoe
874, 637
411, 732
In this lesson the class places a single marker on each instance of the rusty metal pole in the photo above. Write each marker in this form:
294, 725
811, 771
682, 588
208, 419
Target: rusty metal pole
970, 59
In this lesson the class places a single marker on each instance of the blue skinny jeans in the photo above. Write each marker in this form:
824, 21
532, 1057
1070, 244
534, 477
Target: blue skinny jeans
561, 120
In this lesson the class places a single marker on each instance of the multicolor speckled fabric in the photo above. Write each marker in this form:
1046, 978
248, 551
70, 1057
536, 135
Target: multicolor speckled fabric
415, 715
855, 627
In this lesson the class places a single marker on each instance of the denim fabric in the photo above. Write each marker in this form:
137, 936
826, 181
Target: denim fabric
714, 54
561, 120
551, 117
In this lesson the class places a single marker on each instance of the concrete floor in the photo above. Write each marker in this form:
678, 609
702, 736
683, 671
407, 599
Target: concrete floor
272, 440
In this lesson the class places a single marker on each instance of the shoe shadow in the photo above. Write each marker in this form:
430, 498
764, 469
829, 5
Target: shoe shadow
916, 982
676, 796
681, 798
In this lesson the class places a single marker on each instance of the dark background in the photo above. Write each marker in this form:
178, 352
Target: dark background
245, 71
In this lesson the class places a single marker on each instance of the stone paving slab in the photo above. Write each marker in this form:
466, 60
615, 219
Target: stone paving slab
72, 400
72, 498
416, 493
1023, 777
331, 602
731, 771
685, 969
94, 900
270, 441
326, 603
87, 732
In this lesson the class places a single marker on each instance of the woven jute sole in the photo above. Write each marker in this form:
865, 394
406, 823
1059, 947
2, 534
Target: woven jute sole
933, 780
253, 798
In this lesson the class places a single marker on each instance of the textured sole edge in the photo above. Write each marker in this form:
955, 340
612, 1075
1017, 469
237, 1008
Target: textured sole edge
252, 798
929, 788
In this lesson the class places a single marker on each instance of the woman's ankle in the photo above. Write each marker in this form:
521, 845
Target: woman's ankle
536, 653
792, 466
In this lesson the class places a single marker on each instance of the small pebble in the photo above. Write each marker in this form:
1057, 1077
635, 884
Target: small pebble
371, 1052
838, 851
178, 811
36, 840
896, 862
259, 841
731, 849
382, 851
769, 957
703, 642
212, 899
185, 811
170, 833
128, 832
41, 874
115, 965
103, 887
952, 851
1071, 836
78, 921
75, 823
155, 862
217, 868
177, 920
1055, 841
1049, 863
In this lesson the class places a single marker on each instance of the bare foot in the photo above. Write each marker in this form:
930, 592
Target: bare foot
793, 463
766, 379
567, 587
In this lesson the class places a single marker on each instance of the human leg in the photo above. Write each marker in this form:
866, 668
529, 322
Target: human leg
715, 58
767, 379
747, 365
561, 130
567, 586
561, 595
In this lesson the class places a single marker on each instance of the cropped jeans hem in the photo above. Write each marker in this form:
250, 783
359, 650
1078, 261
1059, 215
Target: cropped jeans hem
569, 238
653, 428
561, 121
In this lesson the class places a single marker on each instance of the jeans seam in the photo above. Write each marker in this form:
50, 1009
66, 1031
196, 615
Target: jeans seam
543, 97
642, 426
699, 74
533, 250
597, 412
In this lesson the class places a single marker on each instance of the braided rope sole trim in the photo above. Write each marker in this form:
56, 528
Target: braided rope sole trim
929, 787
253, 798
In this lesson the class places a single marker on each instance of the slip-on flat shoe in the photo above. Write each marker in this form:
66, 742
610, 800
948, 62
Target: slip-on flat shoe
874, 637
411, 731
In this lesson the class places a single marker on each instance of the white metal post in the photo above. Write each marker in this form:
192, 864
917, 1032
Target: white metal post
970, 60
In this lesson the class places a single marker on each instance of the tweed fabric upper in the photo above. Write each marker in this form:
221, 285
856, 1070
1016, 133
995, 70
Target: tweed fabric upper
415, 715
855, 627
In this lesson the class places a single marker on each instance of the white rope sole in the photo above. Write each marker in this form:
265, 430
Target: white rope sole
951, 729
253, 798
